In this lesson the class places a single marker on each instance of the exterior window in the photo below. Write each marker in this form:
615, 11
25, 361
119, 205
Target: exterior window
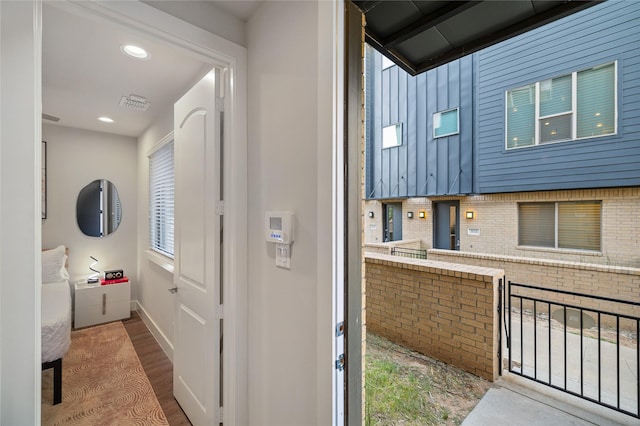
386, 62
561, 225
446, 123
161, 196
575, 106
392, 135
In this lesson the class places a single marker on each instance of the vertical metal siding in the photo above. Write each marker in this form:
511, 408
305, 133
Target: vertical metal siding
411, 175
423, 165
404, 150
376, 129
421, 134
476, 161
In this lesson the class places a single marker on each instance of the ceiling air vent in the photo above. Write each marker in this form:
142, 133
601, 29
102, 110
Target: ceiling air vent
136, 102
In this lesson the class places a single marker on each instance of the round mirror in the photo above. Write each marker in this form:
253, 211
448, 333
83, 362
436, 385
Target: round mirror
98, 210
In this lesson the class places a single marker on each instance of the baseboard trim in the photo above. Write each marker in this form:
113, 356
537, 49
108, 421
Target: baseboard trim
165, 344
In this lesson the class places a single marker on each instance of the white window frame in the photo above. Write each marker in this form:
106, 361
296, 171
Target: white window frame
574, 103
397, 127
161, 258
386, 62
439, 113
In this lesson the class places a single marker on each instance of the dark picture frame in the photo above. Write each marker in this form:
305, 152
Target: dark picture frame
44, 180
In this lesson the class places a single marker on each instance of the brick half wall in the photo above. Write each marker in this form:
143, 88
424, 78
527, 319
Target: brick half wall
444, 310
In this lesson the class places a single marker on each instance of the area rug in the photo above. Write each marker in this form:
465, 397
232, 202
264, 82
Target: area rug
103, 383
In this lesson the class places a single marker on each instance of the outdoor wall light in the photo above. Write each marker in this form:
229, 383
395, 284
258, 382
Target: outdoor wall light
422, 214
410, 215
469, 214
371, 214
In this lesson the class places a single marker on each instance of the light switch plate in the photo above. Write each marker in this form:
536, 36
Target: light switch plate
283, 256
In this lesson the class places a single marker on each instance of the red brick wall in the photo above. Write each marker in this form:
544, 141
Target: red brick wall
443, 310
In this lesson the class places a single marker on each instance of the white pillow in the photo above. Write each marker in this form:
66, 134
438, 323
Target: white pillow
53, 262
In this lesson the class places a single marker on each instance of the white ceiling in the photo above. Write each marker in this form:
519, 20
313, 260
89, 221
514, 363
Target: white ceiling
84, 73
241, 9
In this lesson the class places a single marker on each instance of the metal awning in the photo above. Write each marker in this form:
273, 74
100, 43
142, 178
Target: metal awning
422, 34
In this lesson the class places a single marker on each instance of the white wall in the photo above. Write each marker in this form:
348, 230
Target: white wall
153, 298
75, 158
289, 164
20, 271
206, 15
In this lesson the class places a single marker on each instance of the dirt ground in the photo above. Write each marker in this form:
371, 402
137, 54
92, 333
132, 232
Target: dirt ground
453, 391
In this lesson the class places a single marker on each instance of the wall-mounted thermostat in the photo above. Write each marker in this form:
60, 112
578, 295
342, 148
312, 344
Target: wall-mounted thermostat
279, 227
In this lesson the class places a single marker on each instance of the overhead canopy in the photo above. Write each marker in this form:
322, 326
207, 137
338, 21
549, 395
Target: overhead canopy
422, 34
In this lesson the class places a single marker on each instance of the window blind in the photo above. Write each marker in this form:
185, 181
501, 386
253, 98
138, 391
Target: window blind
521, 113
596, 101
161, 200
564, 225
392, 135
562, 113
579, 225
536, 225
445, 123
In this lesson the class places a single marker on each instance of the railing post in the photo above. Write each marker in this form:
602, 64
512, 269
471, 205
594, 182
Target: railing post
500, 327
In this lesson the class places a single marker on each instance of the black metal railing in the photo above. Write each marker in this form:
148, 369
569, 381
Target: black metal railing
585, 345
409, 252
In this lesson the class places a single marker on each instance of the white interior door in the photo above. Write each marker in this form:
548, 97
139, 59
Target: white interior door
196, 356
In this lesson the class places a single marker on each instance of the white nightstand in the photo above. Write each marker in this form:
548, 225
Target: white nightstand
95, 303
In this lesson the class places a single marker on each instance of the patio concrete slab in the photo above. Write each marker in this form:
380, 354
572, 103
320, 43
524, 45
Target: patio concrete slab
512, 402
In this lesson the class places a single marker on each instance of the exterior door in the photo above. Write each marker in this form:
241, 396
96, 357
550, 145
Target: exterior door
446, 233
392, 213
198, 228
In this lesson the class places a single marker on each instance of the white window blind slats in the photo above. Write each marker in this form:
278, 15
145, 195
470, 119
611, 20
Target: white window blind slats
562, 225
579, 225
161, 200
575, 106
596, 101
536, 225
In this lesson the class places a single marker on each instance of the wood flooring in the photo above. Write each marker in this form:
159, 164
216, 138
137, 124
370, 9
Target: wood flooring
158, 368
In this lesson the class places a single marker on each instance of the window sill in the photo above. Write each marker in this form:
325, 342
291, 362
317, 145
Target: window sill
164, 262
561, 251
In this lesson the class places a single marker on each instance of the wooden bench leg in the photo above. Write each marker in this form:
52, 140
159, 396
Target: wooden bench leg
57, 378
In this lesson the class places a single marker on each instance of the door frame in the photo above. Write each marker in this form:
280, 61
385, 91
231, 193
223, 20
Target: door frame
20, 211
386, 234
436, 221
353, 102
217, 51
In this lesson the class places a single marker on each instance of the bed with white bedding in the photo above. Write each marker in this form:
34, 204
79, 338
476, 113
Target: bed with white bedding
56, 314
56, 320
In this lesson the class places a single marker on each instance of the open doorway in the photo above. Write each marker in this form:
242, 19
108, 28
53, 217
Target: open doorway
392, 222
194, 60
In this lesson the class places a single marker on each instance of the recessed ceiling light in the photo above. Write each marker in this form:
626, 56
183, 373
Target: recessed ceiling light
134, 51
105, 119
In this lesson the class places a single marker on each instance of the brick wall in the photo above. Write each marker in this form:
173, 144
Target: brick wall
443, 310
496, 222
412, 229
615, 282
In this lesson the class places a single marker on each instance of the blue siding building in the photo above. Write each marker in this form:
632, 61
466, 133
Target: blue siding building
606, 34
422, 164
528, 148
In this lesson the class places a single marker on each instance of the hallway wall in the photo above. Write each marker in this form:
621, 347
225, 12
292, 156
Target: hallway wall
290, 104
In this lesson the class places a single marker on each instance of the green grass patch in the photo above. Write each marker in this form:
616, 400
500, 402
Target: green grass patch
395, 394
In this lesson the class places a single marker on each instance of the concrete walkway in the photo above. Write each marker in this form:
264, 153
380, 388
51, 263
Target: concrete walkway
514, 401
